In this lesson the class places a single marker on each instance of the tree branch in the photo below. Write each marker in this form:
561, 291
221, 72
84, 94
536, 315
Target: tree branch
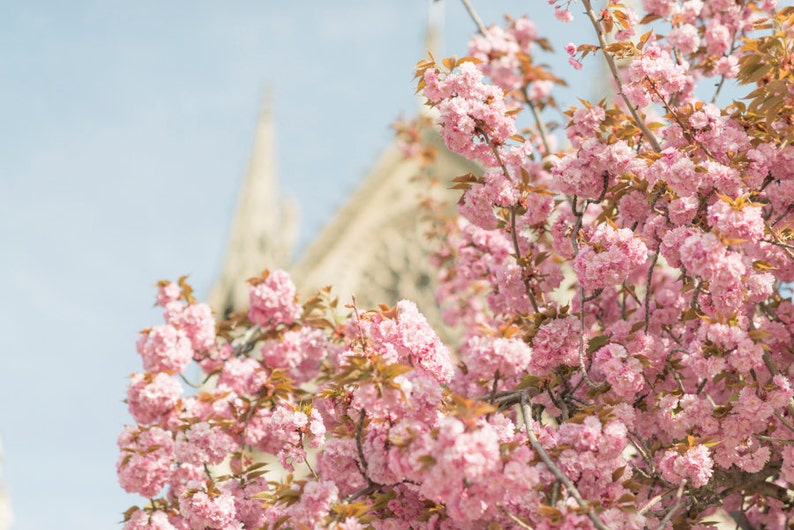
475, 17
533, 440
616, 76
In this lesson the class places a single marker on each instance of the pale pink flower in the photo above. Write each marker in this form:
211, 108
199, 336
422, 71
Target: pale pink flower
314, 503
203, 443
540, 90
787, 469
145, 463
150, 397
460, 456
663, 8
585, 123
273, 300
215, 511
196, 320
684, 37
555, 343
717, 37
351, 523
165, 349
485, 356
298, 352
243, 375
498, 49
143, 520
745, 223
167, 292
411, 340
250, 511
563, 15
695, 465
608, 257
622, 372
702, 254
727, 66
472, 115
525, 32
682, 210
338, 461
655, 75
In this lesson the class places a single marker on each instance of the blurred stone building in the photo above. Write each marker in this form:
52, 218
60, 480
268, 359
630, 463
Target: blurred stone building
374, 247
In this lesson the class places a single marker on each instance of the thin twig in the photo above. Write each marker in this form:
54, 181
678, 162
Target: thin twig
780, 417
649, 504
782, 245
362, 462
582, 300
187, 381
364, 491
311, 469
772, 367
639, 445
781, 216
675, 507
494, 387
616, 76
516, 520
648, 292
538, 448
722, 77
475, 17
582, 366
247, 342
773, 440
544, 134
520, 260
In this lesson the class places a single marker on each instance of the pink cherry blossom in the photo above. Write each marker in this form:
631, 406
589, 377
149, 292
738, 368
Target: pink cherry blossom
145, 462
142, 520
608, 257
210, 510
618, 329
150, 397
165, 349
273, 300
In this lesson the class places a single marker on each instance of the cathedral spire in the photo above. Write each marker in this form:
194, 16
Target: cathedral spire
434, 36
435, 27
259, 238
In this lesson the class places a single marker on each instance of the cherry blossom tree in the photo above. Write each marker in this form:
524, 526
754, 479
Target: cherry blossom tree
625, 357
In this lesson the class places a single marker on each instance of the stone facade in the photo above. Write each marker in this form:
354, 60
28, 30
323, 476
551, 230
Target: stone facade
374, 247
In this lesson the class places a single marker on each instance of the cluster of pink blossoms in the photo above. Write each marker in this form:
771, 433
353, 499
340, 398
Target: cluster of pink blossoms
472, 114
625, 356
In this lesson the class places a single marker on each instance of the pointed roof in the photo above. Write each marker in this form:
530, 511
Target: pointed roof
260, 233
433, 41
374, 247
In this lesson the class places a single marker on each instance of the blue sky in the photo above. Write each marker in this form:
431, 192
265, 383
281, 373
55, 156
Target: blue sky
126, 129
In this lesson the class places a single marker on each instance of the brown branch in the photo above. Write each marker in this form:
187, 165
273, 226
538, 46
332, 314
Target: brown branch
675, 507
362, 462
538, 448
648, 292
616, 76
474, 16
544, 134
